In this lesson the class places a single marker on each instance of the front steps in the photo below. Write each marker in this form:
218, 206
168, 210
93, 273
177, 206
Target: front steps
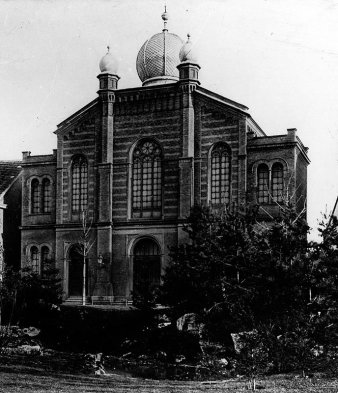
75, 300
98, 301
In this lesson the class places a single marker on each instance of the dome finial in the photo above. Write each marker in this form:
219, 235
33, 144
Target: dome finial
165, 17
108, 48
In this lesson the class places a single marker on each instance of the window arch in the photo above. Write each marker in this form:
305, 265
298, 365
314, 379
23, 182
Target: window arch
263, 183
147, 179
277, 182
79, 175
46, 196
34, 259
35, 196
45, 258
220, 174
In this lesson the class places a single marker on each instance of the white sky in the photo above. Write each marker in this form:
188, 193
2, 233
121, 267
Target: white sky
278, 57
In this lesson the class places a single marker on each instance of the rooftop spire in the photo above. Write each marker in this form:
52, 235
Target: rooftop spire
165, 17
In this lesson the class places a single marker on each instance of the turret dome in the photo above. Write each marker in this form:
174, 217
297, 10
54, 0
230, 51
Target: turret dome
158, 57
109, 63
188, 52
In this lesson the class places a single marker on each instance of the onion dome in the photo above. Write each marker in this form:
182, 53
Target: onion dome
159, 56
188, 52
109, 63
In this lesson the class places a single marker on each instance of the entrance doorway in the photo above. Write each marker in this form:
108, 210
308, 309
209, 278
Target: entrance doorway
147, 266
75, 272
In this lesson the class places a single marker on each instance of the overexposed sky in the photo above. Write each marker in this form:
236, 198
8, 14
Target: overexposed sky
278, 57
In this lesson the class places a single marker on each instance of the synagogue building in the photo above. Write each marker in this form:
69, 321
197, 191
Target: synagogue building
133, 162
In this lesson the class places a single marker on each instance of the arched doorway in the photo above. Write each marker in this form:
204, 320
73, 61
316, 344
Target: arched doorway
147, 266
75, 272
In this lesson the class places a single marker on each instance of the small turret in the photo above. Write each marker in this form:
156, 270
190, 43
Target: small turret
189, 67
109, 71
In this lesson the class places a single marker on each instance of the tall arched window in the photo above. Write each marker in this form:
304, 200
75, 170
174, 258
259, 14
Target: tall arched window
277, 180
35, 196
147, 180
263, 183
34, 259
220, 174
46, 196
79, 184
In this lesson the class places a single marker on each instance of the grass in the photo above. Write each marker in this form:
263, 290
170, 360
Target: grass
36, 378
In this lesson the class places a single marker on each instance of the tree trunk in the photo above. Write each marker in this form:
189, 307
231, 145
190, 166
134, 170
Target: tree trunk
84, 280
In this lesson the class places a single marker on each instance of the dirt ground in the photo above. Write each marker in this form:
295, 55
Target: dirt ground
34, 379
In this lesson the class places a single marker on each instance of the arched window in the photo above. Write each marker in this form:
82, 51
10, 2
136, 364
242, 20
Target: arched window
46, 196
147, 180
263, 184
35, 196
45, 258
79, 184
34, 259
277, 180
220, 174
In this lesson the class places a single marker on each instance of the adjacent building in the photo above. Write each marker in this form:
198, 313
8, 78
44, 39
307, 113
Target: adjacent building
10, 213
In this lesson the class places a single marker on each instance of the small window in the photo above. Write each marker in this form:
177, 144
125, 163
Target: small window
45, 258
263, 184
220, 174
34, 259
35, 196
79, 184
277, 180
46, 196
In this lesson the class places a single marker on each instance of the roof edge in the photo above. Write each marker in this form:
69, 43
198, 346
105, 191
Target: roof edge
76, 114
211, 94
11, 183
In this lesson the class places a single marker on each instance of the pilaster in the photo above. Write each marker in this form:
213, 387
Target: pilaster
186, 163
242, 162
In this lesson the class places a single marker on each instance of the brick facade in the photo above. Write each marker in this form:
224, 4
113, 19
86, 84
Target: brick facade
185, 121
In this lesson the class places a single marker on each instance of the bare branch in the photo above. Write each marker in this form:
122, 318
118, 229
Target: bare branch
265, 211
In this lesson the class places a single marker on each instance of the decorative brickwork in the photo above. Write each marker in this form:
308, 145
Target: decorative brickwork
136, 160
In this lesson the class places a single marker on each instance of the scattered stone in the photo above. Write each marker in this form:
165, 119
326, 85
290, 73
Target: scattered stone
188, 323
239, 339
31, 331
98, 364
163, 325
223, 362
163, 321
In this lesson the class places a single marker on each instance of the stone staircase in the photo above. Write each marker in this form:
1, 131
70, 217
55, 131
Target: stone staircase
98, 301
75, 300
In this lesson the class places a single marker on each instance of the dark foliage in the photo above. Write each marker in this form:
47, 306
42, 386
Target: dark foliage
239, 274
28, 298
